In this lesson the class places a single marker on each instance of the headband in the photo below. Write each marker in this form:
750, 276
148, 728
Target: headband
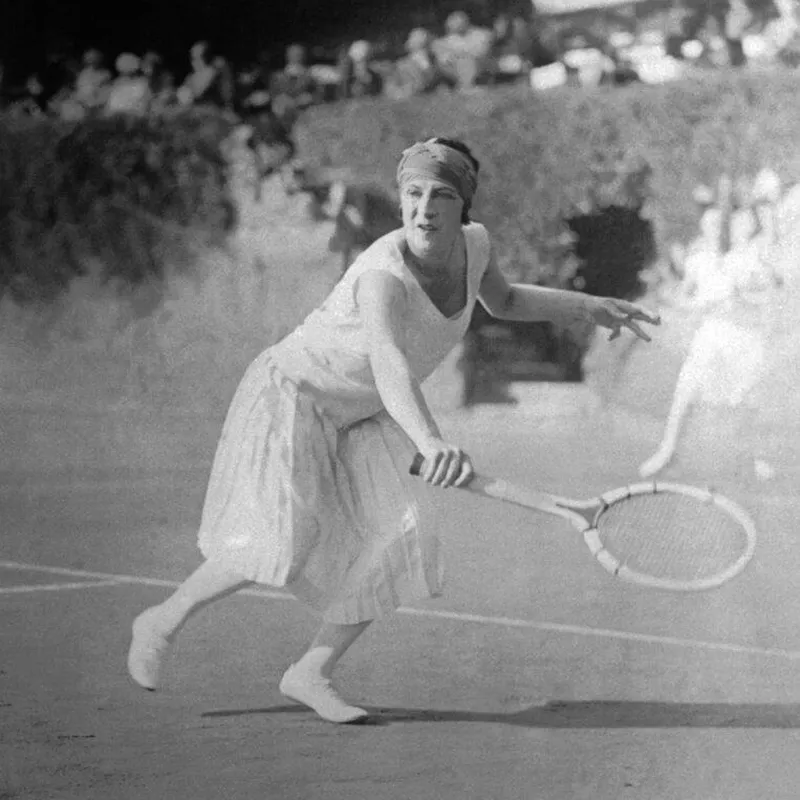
430, 160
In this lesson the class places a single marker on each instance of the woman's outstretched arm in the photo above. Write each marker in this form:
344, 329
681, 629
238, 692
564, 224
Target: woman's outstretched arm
527, 303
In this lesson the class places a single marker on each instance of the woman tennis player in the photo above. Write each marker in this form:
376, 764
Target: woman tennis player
309, 490
712, 422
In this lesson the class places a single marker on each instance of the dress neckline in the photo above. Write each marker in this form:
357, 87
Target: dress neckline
458, 314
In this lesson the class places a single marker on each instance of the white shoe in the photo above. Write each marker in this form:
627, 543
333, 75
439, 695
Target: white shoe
148, 650
318, 694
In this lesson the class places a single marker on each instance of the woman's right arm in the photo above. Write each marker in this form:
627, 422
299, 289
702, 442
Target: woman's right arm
381, 299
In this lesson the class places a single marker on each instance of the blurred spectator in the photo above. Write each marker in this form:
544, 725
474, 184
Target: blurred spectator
465, 50
419, 72
550, 76
737, 20
160, 80
678, 21
270, 140
93, 83
789, 14
789, 53
361, 212
210, 82
32, 100
130, 92
358, 78
19, 100
57, 79
622, 71
704, 15
726, 19
774, 38
252, 89
513, 46
586, 65
293, 89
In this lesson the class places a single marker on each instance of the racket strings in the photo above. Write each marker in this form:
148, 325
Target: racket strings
671, 536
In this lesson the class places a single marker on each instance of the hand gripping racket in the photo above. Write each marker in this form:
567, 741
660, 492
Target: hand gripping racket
661, 535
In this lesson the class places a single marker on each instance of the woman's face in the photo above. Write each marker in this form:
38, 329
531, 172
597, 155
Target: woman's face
431, 216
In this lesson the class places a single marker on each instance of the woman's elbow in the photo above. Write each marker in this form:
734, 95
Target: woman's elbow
500, 306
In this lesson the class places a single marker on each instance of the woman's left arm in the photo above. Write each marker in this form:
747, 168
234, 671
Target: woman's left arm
527, 303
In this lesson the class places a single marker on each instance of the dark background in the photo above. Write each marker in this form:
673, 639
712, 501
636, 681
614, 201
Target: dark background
29, 29
243, 29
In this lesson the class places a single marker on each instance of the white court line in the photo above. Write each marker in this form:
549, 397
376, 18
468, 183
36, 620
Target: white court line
779, 501
431, 613
122, 579
55, 587
606, 633
60, 480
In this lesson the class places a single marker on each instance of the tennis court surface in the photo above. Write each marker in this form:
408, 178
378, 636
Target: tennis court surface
537, 675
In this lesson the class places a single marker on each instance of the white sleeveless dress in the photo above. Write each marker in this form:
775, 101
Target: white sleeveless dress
309, 488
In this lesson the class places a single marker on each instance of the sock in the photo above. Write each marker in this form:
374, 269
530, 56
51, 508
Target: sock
169, 618
317, 661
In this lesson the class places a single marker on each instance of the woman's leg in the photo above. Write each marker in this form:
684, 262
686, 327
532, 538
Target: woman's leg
329, 645
689, 381
155, 629
308, 681
209, 582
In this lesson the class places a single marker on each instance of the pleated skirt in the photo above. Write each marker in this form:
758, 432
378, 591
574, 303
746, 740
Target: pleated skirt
329, 514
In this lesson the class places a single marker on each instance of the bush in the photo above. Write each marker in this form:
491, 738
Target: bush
579, 188
127, 193
550, 157
124, 200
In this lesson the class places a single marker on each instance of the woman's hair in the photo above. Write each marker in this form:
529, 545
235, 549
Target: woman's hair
457, 144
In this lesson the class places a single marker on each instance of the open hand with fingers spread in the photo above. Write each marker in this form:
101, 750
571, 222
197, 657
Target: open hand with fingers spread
618, 314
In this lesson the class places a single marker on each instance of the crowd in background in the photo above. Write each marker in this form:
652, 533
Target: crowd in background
465, 55
462, 56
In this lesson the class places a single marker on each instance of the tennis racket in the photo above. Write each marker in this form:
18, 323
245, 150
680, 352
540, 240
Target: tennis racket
660, 535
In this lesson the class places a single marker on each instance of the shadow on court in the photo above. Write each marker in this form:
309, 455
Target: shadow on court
583, 714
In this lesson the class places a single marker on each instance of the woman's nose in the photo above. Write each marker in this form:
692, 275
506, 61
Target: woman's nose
425, 206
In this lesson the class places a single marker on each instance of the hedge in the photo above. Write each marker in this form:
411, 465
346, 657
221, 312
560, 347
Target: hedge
132, 199
130, 194
549, 157
134, 193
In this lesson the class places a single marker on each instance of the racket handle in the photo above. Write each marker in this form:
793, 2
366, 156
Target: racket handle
416, 465
502, 490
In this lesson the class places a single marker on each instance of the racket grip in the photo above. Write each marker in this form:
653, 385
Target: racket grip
416, 465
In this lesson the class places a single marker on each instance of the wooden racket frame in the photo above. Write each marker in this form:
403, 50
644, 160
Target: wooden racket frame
585, 514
